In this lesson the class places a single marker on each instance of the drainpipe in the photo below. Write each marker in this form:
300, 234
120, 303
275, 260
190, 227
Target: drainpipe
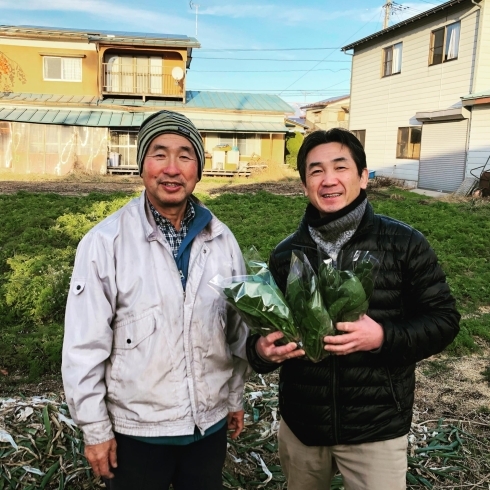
478, 41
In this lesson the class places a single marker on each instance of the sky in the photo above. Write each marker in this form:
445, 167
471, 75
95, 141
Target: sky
260, 46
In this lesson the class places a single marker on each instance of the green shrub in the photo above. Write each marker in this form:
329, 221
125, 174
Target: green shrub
293, 144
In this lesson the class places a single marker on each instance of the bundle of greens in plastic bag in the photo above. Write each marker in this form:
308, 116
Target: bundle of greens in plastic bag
306, 303
258, 300
346, 293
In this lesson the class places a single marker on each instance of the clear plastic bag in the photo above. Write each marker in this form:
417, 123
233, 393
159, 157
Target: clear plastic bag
346, 293
309, 312
258, 300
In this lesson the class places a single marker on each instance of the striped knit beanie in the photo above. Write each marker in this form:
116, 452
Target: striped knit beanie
169, 122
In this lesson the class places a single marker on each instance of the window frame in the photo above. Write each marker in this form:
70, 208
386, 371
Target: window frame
63, 59
390, 49
360, 132
412, 149
444, 58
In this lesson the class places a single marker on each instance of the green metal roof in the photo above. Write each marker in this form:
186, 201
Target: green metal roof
235, 101
120, 119
478, 95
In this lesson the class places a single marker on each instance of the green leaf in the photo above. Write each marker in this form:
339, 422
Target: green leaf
47, 477
309, 312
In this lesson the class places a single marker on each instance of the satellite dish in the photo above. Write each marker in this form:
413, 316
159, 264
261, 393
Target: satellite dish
177, 73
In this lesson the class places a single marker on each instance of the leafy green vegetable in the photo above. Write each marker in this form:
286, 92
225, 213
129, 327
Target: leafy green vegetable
344, 292
262, 306
309, 312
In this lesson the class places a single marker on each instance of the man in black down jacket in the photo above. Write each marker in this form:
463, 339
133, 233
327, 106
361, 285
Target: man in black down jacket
352, 411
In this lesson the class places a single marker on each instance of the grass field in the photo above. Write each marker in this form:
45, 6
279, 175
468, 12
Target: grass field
39, 234
38, 238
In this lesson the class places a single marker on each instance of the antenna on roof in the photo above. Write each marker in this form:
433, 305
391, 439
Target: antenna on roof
193, 6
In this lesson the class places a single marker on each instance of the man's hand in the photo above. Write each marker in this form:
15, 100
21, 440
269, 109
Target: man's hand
362, 335
269, 351
235, 423
102, 457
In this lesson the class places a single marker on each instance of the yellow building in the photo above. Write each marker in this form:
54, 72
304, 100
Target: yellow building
73, 99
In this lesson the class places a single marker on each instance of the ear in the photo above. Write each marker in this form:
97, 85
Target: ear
364, 178
305, 192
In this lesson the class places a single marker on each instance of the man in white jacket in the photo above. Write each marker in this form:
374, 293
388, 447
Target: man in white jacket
154, 361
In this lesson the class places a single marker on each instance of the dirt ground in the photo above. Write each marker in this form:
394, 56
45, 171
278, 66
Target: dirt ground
449, 387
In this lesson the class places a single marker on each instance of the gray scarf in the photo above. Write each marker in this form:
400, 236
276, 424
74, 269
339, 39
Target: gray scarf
331, 237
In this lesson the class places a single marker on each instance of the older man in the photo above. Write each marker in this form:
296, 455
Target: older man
352, 411
153, 360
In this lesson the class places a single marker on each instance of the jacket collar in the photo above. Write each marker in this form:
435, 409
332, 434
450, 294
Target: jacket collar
212, 230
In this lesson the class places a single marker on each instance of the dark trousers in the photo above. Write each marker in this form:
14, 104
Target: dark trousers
143, 466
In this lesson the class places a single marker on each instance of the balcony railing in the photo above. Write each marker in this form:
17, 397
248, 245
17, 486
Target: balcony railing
119, 78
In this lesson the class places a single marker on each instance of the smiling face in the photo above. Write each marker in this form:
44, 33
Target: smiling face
332, 180
170, 173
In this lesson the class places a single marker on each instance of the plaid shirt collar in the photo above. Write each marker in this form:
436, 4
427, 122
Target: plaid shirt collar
174, 237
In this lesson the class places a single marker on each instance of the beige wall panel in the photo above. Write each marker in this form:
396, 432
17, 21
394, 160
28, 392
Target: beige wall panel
29, 75
479, 143
381, 105
482, 79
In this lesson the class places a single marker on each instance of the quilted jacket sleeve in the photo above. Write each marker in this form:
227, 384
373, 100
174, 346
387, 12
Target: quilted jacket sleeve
431, 321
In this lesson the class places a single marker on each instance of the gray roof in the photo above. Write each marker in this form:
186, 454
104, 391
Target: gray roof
119, 119
100, 36
236, 101
325, 102
415, 18
478, 95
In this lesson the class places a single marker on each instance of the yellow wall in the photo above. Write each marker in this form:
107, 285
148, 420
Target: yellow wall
26, 64
30, 64
273, 148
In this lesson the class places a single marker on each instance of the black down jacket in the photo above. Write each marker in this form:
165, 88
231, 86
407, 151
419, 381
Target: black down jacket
368, 396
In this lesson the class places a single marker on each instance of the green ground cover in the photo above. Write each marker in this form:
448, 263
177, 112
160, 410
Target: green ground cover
38, 238
39, 234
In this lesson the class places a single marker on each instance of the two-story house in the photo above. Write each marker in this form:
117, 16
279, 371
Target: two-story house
74, 99
328, 113
420, 94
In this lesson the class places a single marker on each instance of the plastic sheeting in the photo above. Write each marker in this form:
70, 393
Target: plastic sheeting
52, 149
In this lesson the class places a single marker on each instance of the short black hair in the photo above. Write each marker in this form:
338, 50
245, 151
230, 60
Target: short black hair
334, 135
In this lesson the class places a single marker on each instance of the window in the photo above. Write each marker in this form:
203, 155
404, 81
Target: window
444, 44
392, 60
124, 143
317, 117
360, 134
408, 143
134, 74
247, 143
62, 69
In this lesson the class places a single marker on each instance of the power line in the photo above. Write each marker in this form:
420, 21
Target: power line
265, 59
268, 49
265, 71
297, 80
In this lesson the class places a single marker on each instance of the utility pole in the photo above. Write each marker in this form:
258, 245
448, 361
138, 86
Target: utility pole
387, 7
193, 6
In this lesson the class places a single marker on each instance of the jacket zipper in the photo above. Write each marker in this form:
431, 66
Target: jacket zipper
397, 403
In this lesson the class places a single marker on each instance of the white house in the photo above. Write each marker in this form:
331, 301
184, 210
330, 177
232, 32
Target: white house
420, 90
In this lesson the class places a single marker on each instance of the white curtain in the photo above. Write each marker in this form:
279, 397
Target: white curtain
452, 41
397, 58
